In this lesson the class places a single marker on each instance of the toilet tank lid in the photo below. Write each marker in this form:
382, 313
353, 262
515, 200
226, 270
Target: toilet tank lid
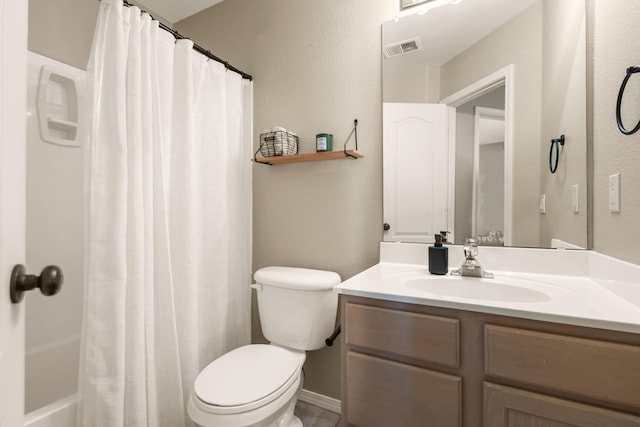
297, 278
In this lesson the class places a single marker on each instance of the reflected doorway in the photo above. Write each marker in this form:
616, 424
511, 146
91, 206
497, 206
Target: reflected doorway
494, 92
488, 177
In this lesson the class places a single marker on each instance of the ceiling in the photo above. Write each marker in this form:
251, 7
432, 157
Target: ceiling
174, 11
446, 31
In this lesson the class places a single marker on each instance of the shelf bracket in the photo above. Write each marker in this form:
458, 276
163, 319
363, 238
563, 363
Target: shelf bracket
255, 159
354, 132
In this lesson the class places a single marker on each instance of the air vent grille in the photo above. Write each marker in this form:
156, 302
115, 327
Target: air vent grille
400, 48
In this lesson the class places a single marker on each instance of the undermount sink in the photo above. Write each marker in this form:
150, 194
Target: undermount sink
501, 288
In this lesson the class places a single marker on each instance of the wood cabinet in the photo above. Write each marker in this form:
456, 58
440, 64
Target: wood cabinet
413, 365
388, 384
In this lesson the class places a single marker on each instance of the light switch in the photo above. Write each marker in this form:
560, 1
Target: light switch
575, 200
543, 203
614, 193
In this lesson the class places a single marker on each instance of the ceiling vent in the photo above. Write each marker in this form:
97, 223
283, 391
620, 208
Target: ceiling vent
400, 48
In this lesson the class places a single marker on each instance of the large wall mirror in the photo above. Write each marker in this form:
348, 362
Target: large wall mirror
512, 74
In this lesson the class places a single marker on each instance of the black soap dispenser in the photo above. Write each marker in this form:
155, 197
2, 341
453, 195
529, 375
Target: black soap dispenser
438, 257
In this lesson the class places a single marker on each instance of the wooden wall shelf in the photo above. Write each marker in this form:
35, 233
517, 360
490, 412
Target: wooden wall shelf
311, 157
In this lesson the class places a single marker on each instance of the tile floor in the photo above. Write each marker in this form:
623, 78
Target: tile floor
312, 416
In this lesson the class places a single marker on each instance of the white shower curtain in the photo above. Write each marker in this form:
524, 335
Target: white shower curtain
169, 222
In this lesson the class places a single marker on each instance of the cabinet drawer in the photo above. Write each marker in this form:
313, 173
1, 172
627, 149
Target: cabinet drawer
384, 393
418, 336
603, 370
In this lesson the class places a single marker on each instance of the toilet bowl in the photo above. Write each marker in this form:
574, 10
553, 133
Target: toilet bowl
254, 385
257, 385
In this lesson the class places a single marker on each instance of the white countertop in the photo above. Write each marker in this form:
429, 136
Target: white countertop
596, 291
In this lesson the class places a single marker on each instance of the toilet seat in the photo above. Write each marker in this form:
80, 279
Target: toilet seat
246, 378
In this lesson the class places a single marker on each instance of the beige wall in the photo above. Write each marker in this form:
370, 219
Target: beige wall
518, 42
616, 47
564, 112
63, 29
317, 67
420, 84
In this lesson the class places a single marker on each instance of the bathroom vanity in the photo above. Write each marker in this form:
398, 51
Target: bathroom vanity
566, 353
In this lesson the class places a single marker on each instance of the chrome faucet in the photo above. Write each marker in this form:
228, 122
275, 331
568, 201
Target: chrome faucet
471, 267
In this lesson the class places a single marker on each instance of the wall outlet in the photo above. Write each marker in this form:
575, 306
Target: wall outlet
543, 203
614, 193
575, 198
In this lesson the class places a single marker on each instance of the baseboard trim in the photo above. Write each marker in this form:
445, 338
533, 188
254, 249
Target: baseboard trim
321, 401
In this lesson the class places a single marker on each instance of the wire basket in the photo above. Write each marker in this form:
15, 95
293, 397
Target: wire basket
278, 143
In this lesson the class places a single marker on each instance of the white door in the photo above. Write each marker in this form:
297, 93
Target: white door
416, 165
13, 95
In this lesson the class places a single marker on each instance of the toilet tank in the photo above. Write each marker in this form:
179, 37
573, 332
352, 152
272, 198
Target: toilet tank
297, 306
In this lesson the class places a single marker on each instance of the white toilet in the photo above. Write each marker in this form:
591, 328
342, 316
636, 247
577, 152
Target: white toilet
258, 384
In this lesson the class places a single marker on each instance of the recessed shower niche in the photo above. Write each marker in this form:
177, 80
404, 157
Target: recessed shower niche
57, 106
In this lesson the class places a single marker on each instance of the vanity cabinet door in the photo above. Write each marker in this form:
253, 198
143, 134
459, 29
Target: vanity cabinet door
510, 407
385, 393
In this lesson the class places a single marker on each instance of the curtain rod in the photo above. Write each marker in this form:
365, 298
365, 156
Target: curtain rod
196, 47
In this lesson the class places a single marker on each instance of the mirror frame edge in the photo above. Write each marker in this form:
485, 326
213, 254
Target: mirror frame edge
589, 48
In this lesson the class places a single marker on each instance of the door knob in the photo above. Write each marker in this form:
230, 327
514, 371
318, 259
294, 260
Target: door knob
49, 281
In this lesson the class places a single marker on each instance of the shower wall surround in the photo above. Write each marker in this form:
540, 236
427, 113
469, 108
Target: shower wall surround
55, 235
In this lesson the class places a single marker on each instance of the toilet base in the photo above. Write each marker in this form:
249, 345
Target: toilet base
295, 422
292, 421
288, 419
